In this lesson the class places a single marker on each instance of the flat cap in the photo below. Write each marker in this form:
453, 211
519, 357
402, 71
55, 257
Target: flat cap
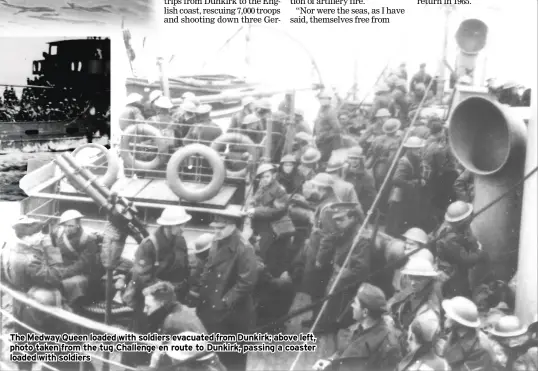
162, 290
372, 297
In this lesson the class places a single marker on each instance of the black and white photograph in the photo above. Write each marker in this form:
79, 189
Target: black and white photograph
277, 197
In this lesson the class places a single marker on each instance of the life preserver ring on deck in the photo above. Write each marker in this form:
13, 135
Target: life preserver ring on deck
112, 159
129, 158
235, 138
189, 194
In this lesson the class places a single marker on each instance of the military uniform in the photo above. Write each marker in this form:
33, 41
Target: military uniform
473, 351
368, 136
203, 132
458, 252
327, 131
364, 186
228, 281
464, 186
428, 361
380, 155
131, 112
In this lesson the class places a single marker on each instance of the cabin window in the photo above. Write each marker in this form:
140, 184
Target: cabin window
53, 49
72, 130
79, 66
32, 132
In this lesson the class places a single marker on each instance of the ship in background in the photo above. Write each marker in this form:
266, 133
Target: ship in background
72, 72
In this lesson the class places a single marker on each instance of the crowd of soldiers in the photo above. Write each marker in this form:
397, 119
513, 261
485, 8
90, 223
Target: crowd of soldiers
42, 104
408, 285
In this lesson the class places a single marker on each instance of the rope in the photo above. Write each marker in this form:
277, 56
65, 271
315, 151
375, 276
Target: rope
6, 313
366, 220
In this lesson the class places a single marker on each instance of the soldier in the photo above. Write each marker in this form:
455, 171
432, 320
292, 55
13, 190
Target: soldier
360, 177
197, 262
373, 345
421, 77
162, 119
464, 186
383, 149
268, 206
251, 127
300, 124
420, 129
264, 108
150, 109
301, 142
205, 130
132, 111
334, 248
375, 129
80, 251
184, 119
238, 118
417, 239
467, 348
422, 294
405, 198
345, 191
227, 285
315, 277
519, 348
327, 129
289, 176
422, 341
458, 249
309, 163
382, 100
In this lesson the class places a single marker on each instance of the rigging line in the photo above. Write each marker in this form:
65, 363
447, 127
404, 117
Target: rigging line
368, 216
7, 314
312, 305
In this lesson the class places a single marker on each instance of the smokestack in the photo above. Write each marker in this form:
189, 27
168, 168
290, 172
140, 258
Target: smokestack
471, 39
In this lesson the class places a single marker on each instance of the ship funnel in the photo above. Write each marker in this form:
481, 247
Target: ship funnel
491, 144
471, 38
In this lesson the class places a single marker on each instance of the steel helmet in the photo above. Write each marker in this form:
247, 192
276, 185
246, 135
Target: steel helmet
508, 326
203, 243
188, 95
426, 326
264, 168
382, 112
303, 136
334, 164
391, 126
458, 211
392, 79
462, 310
134, 98
323, 180
419, 267
174, 215
70, 215
203, 109
416, 234
394, 251
246, 101
163, 102
288, 158
414, 142
424, 254
189, 106
265, 104
154, 95
324, 95
355, 152
310, 156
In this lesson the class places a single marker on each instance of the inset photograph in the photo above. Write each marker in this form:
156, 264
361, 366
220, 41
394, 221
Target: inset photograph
22, 14
56, 97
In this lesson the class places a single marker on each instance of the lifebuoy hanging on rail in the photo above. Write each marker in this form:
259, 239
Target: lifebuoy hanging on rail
129, 158
236, 138
113, 166
189, 194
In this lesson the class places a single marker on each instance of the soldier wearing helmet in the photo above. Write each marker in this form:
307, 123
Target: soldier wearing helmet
327, 129
268, 205
422, 341
375, 129
382, 100
132, 114
309, 163
301, 126
184, 117
162, 117
251, 126
289, 176
205, 130
160, 256
347, 218
316, 277
356, 174
467, 348
422, 293
519, 344
383, 149
421, 78
458, 249
406, 198
248, 108
81, 269
373, 344
344, 190
149, 107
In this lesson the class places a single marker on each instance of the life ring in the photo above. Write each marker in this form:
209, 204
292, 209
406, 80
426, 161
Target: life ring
235, 138
112, 159
129, 158
195, 195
